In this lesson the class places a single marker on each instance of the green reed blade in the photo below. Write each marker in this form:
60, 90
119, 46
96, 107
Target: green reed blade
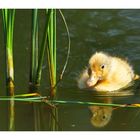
10, 31
51, 48
12, 23
68, 50
34, 48
54, 40
69, 45
42, 49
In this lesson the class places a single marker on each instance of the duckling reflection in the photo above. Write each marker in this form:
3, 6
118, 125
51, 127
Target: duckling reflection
106, 73
101, 115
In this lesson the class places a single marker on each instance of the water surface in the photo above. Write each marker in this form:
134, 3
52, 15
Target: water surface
114, 31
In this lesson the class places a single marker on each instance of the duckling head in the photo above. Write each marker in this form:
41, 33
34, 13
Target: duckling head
99, 67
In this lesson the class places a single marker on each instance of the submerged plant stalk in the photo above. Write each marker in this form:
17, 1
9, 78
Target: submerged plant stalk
53, 103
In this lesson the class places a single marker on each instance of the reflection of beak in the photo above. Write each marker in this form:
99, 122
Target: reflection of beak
95, 114
92, 81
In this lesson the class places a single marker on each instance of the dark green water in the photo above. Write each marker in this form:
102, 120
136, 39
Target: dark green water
114, 31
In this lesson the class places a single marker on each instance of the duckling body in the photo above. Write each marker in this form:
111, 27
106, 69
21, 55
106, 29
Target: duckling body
106, 73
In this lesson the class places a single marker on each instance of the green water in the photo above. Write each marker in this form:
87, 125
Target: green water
114, 31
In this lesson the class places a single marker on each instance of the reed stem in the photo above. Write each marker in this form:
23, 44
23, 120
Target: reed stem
42, 49
51, 51
8, 24
34, 51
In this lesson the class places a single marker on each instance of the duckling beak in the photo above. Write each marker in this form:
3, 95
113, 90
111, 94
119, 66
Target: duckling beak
92, 81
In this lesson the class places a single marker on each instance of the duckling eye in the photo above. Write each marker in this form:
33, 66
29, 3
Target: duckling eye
102, 66
104, 117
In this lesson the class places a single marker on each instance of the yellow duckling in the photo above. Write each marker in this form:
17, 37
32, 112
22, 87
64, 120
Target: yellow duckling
106, 73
